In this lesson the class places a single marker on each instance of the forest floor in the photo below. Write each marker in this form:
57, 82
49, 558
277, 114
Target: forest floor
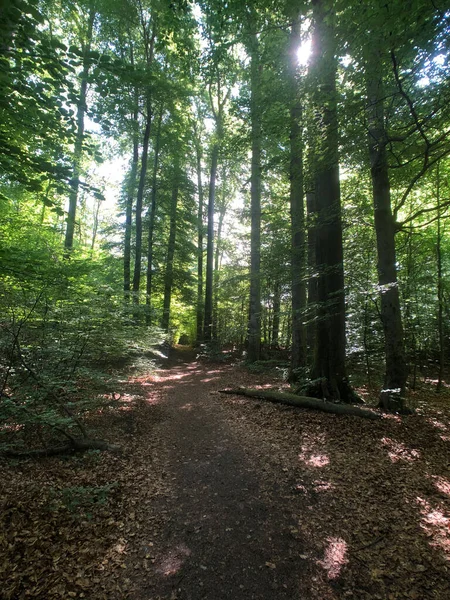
220, 497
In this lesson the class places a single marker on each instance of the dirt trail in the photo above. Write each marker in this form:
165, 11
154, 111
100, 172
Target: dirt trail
253, 501
224, 536
220, 497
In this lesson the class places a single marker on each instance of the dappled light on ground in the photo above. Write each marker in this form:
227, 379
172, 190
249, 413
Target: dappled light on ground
225, 497
442, 484
312, 453
187, 406
314, 460
438, 424
172, 560
335, 557
436, 523
323, 486
399, 452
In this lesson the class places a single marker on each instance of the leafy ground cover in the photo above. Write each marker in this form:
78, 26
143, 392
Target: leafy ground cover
221, 496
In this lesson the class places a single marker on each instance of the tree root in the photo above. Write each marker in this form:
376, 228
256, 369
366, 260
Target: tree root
304, 402
81, 445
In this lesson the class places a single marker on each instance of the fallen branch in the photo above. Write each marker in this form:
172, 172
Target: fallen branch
304, 402
75, 446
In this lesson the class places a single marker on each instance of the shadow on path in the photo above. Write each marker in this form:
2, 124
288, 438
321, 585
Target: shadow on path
225, 537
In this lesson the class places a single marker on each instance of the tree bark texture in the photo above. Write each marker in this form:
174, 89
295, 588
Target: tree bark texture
393, 391
329, 357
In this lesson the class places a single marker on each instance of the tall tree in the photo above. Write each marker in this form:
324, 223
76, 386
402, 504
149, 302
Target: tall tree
393, 392
168, 274
131, 189
298, 260
148, 27
254, 325
200, 231
218, 97
152, 216
329, 357
86, 42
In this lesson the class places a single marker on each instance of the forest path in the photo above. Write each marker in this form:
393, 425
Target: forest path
225, 497
225, 534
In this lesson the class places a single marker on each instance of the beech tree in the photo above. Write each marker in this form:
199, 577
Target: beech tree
328, 368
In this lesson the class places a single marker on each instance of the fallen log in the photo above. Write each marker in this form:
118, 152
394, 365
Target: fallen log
77, 446
304, 402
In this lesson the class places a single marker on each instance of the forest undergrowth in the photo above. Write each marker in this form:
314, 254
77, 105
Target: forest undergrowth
366, 504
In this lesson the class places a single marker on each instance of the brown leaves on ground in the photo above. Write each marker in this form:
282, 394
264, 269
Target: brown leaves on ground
370, 500
376, 494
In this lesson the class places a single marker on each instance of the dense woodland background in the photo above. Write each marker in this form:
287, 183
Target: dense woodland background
290, 205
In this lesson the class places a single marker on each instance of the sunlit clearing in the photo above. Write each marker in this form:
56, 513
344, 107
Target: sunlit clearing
436, 525
172, 562
303, 53
335, 557
398, 451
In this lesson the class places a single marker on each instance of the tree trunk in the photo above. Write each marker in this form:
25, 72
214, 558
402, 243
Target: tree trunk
254, 327
298, 354
312, 278
131, 188
168, 276
304, 402
216, 275
329, 358
139, 203
440, 284
149, 48
151, 221
392, 394
78, 147
207, 330
275, 337
199, 246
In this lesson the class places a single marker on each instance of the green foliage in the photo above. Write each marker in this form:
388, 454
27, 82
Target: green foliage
36, 120
62, 324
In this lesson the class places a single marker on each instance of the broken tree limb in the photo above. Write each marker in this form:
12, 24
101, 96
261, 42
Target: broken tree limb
304, 402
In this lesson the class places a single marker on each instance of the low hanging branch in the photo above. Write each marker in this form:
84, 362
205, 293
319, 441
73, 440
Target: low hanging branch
304, 402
